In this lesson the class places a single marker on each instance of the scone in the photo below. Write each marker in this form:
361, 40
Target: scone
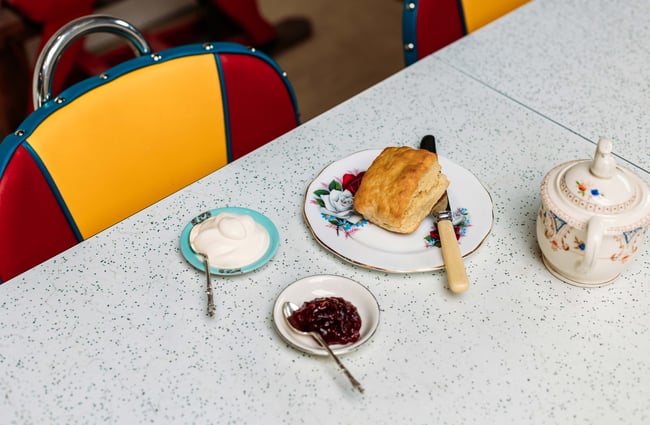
400, 188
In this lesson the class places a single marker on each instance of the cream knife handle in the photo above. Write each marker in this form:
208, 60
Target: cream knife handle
456, 274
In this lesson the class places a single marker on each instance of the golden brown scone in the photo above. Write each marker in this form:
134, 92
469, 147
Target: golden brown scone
400, 188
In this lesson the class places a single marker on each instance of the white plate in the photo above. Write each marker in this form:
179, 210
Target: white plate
370, 246
307, 289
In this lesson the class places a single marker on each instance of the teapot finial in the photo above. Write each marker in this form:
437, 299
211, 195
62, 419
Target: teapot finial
603, 164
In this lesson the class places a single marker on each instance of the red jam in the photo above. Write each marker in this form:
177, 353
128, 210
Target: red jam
336, 319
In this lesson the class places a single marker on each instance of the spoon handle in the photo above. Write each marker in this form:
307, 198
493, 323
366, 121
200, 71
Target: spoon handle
209, 286
319, 339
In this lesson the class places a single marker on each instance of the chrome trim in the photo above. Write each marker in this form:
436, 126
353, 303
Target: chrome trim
56, 45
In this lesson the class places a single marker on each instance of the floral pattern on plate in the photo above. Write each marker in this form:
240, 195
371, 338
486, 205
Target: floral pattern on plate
336, 202
461, 221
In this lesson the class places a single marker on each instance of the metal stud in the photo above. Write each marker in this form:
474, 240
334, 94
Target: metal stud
252, 49
19, 133
59, 100
208, 46
409, 47
410, 6
156, 57
103, 76
284, 74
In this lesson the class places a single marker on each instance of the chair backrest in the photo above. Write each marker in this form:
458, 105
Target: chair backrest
114, 144
429, 25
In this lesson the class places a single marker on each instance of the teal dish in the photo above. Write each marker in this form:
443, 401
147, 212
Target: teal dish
197, 260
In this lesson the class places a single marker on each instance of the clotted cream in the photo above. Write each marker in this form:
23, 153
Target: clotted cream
230, 240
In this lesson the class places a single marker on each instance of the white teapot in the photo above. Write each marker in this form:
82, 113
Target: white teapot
592, 218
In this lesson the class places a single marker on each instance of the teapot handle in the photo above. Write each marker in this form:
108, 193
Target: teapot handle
595, 232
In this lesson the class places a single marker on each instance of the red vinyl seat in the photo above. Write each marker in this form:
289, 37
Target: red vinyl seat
429, 25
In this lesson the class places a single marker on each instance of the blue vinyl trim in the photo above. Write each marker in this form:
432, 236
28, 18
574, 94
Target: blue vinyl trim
12, 141
463, 21
224, 100
78, 89
7, 148
55, 190
409, 35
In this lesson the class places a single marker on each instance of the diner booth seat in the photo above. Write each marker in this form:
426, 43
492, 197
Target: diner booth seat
429, 25
114, 144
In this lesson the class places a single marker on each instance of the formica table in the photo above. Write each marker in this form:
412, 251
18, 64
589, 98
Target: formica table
581, 63
115, 329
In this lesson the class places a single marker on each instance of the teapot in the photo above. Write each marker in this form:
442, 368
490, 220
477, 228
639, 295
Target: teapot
592, 218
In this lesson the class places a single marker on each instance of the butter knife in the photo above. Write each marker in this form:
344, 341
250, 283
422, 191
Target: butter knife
441, 211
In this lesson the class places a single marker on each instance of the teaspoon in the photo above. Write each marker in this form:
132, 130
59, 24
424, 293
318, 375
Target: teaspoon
287, 310
206, 263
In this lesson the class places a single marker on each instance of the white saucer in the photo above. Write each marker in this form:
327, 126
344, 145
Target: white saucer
311, 287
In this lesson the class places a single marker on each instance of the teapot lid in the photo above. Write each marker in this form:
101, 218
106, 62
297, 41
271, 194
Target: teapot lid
583, 188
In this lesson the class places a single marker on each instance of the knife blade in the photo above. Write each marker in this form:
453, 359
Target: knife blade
451, 256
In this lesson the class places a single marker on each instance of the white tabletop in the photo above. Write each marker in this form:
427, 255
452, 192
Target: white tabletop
581, 63
115, 329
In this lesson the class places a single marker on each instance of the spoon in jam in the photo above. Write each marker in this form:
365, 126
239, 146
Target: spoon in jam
288, 308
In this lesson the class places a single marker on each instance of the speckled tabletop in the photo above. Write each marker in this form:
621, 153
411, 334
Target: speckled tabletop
581, 63
114, 330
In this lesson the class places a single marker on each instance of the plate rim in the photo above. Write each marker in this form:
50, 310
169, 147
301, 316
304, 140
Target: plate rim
278, 318
377, 267
197, 262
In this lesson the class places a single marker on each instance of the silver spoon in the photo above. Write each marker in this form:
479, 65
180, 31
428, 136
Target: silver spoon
287, 310
206, 263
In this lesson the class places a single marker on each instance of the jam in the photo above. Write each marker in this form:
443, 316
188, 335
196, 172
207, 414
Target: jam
336, 319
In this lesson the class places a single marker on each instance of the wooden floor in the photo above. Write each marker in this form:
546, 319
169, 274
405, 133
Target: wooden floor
355, 44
